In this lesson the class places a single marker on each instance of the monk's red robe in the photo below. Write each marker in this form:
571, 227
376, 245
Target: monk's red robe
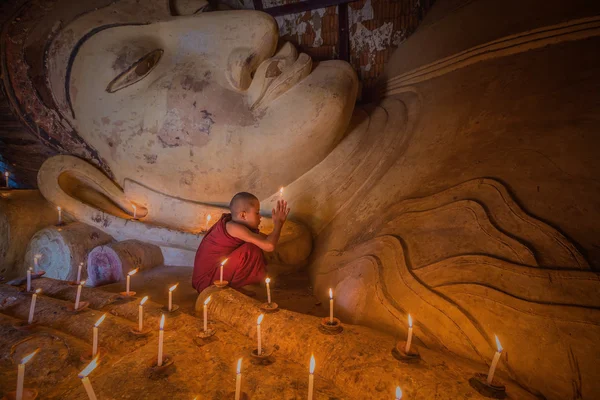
245, 261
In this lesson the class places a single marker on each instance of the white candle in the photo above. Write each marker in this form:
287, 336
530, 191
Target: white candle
311, 377
79, 272
29, 280
32, 306
36, 259
6, 177
330, 306
268, 280
238, 380
161, 334
410, 333
258, 321
208, 217
59, 215
490, 376
86, 381
134, 211
206, 314
95, 335
21, 374
141, 314
221, 274
398, 393
78, 294
171, 295
128, 282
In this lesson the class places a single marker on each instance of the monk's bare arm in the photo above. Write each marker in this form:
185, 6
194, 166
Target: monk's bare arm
265, 242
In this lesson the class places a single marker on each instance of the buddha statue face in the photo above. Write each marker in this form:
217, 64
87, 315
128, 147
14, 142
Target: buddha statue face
200, 107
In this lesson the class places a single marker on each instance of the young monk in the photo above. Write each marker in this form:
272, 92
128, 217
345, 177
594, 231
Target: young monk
235, 237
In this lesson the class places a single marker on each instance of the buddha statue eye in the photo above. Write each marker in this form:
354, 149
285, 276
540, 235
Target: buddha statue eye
136, 72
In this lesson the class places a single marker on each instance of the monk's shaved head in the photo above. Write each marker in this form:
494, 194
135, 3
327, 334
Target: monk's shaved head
243, 201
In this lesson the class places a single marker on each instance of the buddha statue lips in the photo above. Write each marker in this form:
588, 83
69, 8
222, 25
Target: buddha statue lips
201, 107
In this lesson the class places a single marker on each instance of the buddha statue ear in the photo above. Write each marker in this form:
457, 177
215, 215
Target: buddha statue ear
188, 7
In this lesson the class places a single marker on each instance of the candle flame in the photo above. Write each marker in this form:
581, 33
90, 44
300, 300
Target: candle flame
498, 344
38, 291
207, 300
330, 293
145, 299
58, 208
133, 272
260, 318
281, 191
26, 359
208, 217
312, 364
79, 263
409, 321
162, 322
6, 173
268, 280
30, 269
173, 287
239, 366
224, 261
398, 393
90, 367
97, 324
82, 283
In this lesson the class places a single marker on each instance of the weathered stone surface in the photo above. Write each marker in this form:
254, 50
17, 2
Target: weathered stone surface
22, 213
63, 248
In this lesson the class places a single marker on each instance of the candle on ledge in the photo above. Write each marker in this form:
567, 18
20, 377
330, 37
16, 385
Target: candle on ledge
83, 375
490, 376
21, 374
29, 279
161, 334
141, 314
134, 211
221, 273
410, 333
78, 294
59, 215
311, 377
206, 314
32, 307
258, 321
95, 335
6, 178
398, 393
79, 272
208, 217
268, 280
238, 380
330, 306
171, 296
128, 283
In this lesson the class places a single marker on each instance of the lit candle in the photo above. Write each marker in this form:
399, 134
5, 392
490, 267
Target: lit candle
78, 294
268, 280
238, 380
410, 331
398, 393
171, 295
21, 374
59, 215
6, 177
221, 274
128, 283
141, 314
258, 321
490, 376
206, 313
330, 306
36, 259
79, 272
134, 211
29, 280
83, 375
208, 217
95, 332
311, 377
32, 306
161, 334
281, 193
